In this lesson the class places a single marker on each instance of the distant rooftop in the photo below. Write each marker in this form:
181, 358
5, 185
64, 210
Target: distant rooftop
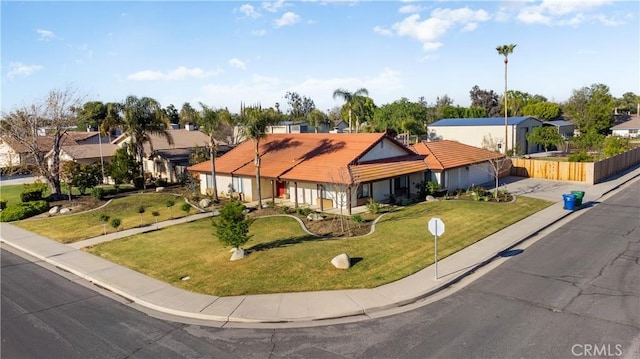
486, 121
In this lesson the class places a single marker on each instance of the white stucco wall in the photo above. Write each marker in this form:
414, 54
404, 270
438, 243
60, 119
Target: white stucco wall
8, 157
384, 149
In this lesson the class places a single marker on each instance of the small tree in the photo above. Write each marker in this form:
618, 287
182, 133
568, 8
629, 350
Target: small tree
104, 219
141, 211
155, 215
613, 146
170, 204
123, 167
497, 167
546, 136
186, 207
232, 227
115, 223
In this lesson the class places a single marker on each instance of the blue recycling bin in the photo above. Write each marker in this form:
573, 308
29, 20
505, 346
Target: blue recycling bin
569, 201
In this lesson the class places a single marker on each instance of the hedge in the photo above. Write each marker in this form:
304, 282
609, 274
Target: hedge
23, 210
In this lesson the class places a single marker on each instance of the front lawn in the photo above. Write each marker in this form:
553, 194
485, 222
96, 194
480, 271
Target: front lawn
283, 258
77, 227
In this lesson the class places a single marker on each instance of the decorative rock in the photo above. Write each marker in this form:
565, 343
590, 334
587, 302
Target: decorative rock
238, 253
54, 210
315, 217
65, 210
215, 213
431, 198
341, 261
185, 278
205, 202
159, 189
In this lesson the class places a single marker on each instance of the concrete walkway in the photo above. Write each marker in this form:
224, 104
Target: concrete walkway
309, 307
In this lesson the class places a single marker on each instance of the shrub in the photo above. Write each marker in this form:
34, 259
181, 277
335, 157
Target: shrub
270, 204
3, 203
406, 202
232, 228
33, 191
23, 210
357, 218
284, 209
303, 211
186, 207
581, 156
373, 206
432, 187
115, 223
97, 193
138, 182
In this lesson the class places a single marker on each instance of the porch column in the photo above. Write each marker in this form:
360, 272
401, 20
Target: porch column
349, 199
320, 197
295, 186
273, 192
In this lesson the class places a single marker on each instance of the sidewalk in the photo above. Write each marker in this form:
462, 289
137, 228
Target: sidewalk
307, 306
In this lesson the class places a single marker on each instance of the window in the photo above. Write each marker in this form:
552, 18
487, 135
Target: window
237, 184
364, 190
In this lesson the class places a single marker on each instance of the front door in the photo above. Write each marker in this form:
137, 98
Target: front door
281, 188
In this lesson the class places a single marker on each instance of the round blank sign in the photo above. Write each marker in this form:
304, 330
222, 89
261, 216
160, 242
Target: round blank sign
436, 226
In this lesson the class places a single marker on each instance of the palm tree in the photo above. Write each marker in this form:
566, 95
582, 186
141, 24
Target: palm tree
141, 118
505, 50
255, 121
350, 99
210, 121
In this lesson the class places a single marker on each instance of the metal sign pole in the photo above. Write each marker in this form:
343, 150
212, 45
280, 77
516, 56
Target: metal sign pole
435, 254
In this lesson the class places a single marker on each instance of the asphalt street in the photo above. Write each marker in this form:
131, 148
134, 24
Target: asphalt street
574, 293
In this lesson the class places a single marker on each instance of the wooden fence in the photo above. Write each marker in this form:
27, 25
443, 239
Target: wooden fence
589, 172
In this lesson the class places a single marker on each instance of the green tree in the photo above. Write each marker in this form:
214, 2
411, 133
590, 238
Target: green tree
543, 111
172, 114
588, 141
591, 108
123, 167
232, 226
506, 50
350, 99
614, 145
629, 102
299, 106
316, 118
401, 116
144, 117
486, 99
199, 154
210, 122
91, 115
188, 114
255, 121
546, 136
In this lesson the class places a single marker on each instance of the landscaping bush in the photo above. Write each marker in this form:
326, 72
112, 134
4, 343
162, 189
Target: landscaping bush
98, 193
303, 211
581, 156
357, 218
33, 191
138, 182
3, 203
373, 206
23, 210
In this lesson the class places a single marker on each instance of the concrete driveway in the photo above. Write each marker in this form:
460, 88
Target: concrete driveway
18, 179
541, 188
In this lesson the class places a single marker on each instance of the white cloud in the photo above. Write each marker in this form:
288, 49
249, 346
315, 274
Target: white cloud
248, 11
45, 35
237, 63
22, 70
410, 9
429, 31
259, 33
179, 73
562, 12
287, 18
272, 6
382, 31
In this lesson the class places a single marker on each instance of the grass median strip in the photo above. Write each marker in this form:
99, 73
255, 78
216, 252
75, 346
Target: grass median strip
283, 258
77, 227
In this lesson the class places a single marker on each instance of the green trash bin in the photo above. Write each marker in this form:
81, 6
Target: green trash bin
579, 196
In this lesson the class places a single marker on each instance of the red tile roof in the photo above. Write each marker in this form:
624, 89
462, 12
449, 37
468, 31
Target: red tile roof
445, 154
314, 157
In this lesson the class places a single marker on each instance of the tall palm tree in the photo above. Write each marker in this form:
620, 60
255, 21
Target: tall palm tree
505, 50
210, 122
255, 121
143, 117
350, 99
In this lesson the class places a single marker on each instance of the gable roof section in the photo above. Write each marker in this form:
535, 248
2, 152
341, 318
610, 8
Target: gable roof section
446, 154
632, 124
44, 143
88, 151
488, 121
312, 157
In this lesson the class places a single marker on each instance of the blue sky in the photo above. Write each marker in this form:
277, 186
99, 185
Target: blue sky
223, 53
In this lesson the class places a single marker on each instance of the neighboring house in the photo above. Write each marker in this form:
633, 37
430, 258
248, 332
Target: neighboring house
565, 128
487, 132
458, 166
340, 127
169, 161
325, 170
629, 128
13, 153
92, 154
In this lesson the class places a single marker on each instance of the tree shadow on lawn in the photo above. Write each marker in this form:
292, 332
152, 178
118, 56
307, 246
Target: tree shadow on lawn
286, 242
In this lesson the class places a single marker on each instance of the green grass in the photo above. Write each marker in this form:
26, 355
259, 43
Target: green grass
283, 258
11, 193
76, 227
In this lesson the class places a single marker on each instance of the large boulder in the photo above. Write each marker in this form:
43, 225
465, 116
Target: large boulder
204, 203
238, 253
341, 261
315, 217
54, 210
159, 189
65, 210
